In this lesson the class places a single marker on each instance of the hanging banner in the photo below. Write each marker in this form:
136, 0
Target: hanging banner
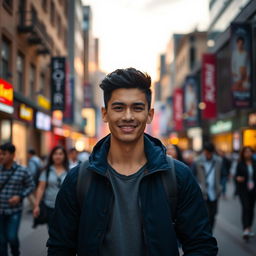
69, 96
6, 97
58, 80
191, 101
241, 49
178, 109
209, 86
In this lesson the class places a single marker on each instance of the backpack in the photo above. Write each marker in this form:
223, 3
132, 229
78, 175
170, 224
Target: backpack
168, 179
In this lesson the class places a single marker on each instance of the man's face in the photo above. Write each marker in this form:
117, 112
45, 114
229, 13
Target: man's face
1, 156
240, 44
7, 157
127, 114
208, 154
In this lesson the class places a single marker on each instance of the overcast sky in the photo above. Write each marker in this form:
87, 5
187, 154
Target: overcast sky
134, 33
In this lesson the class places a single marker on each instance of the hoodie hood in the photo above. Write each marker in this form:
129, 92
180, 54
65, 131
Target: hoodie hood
154, 151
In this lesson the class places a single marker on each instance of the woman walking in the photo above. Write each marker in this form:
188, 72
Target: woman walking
246, 189
50, 182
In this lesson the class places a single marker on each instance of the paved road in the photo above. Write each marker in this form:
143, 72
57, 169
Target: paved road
228, 232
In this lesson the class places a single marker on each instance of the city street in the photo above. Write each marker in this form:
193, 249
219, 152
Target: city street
228, 232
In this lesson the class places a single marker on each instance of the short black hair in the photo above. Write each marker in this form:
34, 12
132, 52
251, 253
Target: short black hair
32, 151
240, 38
72, 150
8, 147
208, 146
126, 78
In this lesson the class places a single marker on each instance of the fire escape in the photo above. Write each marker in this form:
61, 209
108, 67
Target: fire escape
28, 23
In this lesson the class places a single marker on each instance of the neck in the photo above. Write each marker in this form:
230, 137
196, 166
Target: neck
127, 158
58, 166
8, 165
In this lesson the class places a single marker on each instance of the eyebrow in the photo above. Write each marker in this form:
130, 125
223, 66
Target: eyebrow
123, 104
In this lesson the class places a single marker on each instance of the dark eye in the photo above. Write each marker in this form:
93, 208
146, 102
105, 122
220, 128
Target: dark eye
138, 108
118, 108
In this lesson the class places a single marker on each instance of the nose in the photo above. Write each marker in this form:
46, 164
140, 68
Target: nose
128, 115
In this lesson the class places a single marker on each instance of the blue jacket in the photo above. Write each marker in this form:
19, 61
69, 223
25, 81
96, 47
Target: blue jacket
82, 230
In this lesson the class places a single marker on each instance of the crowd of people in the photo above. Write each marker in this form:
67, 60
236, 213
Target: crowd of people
213, 169
39, 182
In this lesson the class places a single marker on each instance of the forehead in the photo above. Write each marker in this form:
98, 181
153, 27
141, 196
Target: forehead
128, 96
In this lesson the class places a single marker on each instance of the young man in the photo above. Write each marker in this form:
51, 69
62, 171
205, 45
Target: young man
15, 184
73, 158
126, 210
208, 170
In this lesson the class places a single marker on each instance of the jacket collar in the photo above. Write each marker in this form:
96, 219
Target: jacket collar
154, 150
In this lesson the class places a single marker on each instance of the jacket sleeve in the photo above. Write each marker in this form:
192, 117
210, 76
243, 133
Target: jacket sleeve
28, 184
192, 225
63, 229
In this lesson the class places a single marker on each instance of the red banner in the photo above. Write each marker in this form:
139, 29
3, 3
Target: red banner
178, 109
209, 86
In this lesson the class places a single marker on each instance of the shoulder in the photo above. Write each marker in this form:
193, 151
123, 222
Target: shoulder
183, 173
72, 176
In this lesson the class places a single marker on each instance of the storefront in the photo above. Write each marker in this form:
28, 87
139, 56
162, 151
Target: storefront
249, 134
222, 135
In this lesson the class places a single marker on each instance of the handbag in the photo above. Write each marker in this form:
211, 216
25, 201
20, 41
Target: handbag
42, 218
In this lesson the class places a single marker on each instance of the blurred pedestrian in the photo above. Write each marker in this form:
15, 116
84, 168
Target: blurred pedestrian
35, 168
225, 172
174, 151
50, 182
73, 158
246, 189
125, 210
83, 156
15, 184
208, 170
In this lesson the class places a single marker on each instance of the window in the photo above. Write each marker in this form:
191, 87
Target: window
42, 83
20, 72
32, 81
5, 59
52, 13
59, 25
44, 5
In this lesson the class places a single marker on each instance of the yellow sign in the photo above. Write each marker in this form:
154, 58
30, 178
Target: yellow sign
43, 102
26, 113
90, 127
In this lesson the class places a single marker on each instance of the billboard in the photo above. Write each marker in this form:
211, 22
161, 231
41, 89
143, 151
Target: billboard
191, 101
178, 109
209, 86
241, 49
6, 97
58, 81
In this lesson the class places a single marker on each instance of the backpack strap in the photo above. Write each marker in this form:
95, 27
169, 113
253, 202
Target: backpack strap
170, 186
83, 182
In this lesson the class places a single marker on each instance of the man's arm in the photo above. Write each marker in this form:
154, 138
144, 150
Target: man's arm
192, 225
63, 230
29, 185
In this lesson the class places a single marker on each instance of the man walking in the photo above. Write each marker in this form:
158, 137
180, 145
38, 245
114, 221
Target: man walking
125, 210
15, 184
208, 170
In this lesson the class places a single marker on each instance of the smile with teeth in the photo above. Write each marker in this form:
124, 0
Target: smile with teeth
127, 128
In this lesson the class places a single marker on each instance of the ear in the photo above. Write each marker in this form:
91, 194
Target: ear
150, 115
104, 114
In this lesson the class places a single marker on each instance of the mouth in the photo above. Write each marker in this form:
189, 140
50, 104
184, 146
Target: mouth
127, 128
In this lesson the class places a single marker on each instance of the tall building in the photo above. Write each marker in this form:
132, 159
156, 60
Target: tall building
232, 34
31, 32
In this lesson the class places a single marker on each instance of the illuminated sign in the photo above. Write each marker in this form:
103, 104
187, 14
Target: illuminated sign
6, 97
57, 117
43, 121
90, 127
43, 102
26, 113
221, 126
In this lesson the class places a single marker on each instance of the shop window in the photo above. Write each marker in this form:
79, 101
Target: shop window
5, 59
5, 131
20, 72
32, 82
